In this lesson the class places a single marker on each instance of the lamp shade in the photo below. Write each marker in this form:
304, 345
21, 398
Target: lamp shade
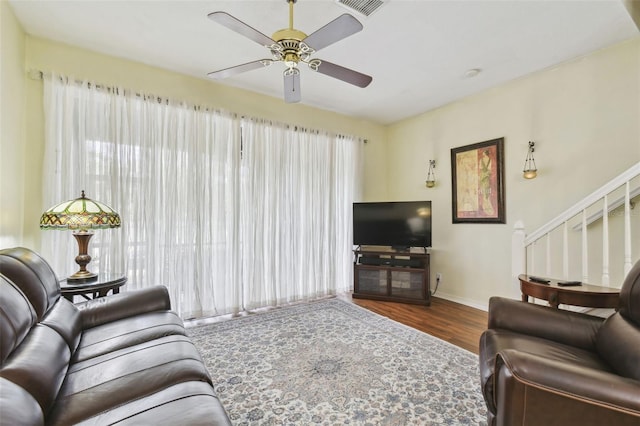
81, 214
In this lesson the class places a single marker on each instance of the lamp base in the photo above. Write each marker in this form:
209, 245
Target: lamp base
82, 276
82, 259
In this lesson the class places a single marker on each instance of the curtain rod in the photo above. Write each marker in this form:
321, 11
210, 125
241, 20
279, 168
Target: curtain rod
35, 74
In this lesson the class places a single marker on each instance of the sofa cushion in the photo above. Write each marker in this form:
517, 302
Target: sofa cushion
39, 365
630, 295
33, 276
104, 310
618, 339
566, 327
17, 406
119, 377
17, 316
65, 319
127, 332
188, 403
619, 344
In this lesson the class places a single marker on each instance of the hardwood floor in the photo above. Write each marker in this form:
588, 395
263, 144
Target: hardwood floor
458, 324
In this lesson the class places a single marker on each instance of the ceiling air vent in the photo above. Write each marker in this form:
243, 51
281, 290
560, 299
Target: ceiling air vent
364, 7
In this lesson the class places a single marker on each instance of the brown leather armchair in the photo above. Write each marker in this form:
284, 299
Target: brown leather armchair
545, 366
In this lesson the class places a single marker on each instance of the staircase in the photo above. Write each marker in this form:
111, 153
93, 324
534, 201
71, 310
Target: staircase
604, 216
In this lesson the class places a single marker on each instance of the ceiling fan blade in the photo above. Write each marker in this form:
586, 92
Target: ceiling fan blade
249, 66
240, 27
292, 86
341, 73
341, 27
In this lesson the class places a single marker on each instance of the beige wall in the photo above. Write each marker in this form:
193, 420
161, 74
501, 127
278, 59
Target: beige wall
12, 119
585, 119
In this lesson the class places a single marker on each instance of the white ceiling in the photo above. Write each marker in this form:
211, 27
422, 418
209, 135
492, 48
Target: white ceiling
417, 51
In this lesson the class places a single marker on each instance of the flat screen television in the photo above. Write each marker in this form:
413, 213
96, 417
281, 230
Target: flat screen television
400, 224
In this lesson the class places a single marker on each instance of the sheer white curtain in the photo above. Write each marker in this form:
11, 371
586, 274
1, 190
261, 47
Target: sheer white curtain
171, 171
226, 221
297, 190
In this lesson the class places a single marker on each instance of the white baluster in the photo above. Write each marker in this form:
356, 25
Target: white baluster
627, 230
565, 250
585, 248
533, 258
548, 273
605, 241
518, 253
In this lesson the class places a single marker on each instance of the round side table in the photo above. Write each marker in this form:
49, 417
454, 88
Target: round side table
587, 295
91, 289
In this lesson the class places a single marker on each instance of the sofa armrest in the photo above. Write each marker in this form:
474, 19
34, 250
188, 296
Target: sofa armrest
538, 388
570, 328
123, 305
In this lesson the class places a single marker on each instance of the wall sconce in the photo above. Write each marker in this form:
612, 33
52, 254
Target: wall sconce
530, 171
431, 178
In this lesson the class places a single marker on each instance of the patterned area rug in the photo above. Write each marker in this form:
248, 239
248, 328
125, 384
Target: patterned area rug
333, 363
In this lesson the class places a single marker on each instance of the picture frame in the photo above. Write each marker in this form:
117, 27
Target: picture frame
477, 176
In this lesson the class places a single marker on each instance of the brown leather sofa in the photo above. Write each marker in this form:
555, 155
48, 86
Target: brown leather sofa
546, 366
121, 359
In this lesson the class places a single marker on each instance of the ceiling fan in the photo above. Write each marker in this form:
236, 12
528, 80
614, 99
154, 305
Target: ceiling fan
292, 47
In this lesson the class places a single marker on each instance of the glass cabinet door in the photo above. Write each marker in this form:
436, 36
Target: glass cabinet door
408, 284
372, 281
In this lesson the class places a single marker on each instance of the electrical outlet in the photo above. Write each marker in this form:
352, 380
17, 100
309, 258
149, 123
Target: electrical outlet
438, 277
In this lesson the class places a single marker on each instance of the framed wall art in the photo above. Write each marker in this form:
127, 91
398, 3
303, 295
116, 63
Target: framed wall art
477, 175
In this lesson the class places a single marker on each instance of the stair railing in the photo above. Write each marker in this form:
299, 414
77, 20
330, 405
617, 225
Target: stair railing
524, 246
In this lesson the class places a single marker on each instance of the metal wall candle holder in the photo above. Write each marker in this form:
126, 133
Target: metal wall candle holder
431, 178
530, 171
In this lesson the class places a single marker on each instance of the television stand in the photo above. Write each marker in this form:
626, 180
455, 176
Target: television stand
391, 276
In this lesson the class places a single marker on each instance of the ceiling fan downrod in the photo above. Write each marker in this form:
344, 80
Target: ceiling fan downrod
287, 46
291, 3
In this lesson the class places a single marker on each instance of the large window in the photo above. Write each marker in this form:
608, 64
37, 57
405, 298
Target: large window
228, 213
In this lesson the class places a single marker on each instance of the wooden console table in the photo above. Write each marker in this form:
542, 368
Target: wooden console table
583, 295
391, 276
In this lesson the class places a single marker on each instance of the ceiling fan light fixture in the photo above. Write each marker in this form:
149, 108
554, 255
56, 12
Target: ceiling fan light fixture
291, 59
292, 85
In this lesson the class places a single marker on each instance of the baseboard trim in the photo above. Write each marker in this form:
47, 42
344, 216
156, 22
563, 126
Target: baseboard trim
599, 312
462, 301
